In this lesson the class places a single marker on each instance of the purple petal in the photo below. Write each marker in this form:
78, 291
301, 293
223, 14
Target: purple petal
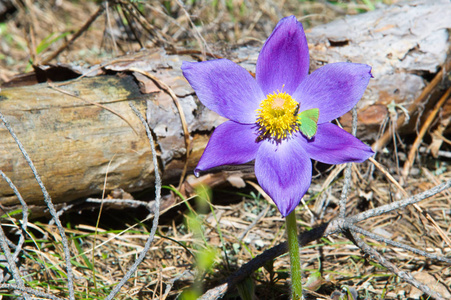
226, 88
284, 59
230, 144
334, 89
284, 172
333, 145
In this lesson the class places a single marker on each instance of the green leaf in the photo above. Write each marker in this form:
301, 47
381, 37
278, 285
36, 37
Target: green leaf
49, 40
308, 122
246, 289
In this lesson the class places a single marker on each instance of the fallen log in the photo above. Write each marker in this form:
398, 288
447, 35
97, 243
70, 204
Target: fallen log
79, 131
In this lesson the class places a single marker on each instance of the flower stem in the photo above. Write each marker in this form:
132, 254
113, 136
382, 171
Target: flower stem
295, 260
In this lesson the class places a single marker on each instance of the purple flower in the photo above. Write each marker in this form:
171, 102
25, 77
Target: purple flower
263, 113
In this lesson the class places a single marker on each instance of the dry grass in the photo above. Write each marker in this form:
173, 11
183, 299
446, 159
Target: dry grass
28, 34
105, 252
170, 265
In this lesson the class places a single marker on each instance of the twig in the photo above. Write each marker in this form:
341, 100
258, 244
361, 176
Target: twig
24, 214
126, 13
427, 123
186, 133
200, 39
29, 11
337, 9
59, 213
254, 222
11, 262
170, 283
128, 202
259, 261
31, 291
108, 22
394, 269
396, 244
347, 182
354, 121
335, 226
193, 52
51, 207
388, 175
261, 191
76, 35
322, 201
399, 204
149, 241
215, 293
417, 207
151, 29
387, 136
98, 220
446, 154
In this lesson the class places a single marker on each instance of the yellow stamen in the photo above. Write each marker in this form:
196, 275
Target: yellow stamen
276, 116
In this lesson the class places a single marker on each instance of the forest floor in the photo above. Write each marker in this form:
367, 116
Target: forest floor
199, 244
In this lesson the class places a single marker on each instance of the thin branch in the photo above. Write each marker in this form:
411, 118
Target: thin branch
392, 268
31, 291
149, 241
335, 226
171, 282
76, 35
260, 260
155, 33
399, 204
216, 292
416, 144
387, 136
396, 244
59, 213
11, 262
345, 191
186, 134
127, 202
254, 222
48, 202
354, 121
121, 8
110, 28
197, 35
347, 182
443, 235
24, 214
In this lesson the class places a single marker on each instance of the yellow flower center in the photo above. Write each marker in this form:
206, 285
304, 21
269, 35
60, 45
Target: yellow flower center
277, 116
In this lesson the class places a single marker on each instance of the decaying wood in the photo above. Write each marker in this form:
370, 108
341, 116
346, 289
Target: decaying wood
79, 131
71, 141
75, 143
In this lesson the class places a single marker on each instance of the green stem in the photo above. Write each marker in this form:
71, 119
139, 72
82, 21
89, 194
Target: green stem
295, 259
